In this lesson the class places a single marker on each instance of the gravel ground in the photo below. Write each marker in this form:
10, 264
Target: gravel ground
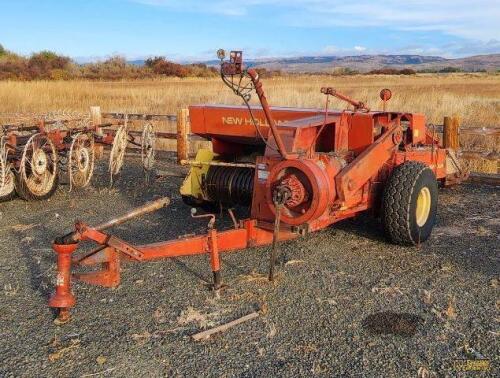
346, 302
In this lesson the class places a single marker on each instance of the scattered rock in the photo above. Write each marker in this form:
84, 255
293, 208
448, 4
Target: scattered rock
294, 262
423, 372
450, 311
426, 296
141, 338
494, 283
159, 315
272, 330
24, 227
74, 343
191, 315
388, 290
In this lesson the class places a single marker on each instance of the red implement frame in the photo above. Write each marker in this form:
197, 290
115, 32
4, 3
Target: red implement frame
312, 169
111, 249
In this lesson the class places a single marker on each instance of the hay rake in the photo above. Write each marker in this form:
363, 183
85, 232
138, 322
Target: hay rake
35, 152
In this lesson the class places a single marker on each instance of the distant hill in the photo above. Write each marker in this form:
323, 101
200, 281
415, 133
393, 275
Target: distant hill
365, 63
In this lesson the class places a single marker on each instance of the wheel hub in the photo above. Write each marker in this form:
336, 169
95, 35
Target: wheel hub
297, 191
423, 207
39, 162
83, 160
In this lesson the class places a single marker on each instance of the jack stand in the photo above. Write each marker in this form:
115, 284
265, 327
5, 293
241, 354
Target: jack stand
63, 299
63, 316
215, 259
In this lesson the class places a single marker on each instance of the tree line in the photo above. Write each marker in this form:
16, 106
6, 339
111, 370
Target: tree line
47, 65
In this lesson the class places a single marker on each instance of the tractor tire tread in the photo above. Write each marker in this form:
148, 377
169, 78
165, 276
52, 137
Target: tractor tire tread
396, 201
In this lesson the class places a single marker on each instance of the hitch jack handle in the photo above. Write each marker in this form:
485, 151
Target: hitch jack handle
213, 248
75, 236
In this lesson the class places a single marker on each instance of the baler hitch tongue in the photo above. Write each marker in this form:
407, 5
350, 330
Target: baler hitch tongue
64, 246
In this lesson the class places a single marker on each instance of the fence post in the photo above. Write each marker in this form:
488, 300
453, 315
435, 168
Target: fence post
450, 132
96, 119
182, 135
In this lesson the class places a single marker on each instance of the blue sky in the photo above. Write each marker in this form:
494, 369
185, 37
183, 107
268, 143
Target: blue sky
193, 30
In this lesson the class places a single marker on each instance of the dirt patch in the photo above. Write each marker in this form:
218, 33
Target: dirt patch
392, 323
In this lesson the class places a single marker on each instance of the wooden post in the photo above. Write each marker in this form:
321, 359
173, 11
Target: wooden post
455, 143
206, 334
96, 118
450, 132
182, 135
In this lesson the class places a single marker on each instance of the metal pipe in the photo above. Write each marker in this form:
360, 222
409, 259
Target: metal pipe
74, 236
358, 105
267, 112
142, 210
217, 163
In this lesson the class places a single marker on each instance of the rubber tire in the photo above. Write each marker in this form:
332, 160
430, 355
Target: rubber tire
399, 203
25, 193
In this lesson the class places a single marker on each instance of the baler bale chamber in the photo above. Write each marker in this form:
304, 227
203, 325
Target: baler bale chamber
296, 170
236, 171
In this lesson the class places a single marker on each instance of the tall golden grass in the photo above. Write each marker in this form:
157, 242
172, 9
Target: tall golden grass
475, 98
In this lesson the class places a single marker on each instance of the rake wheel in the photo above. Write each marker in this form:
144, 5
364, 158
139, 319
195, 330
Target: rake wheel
148, 141
7, 184
117, 153
81, 160
37, 178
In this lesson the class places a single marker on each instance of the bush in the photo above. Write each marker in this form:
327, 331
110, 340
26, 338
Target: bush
202, 70
114, 68
264, 72
13, 67
161, 66
48, 65
407, 71
450, 70
40, 65
392, 71
344, 71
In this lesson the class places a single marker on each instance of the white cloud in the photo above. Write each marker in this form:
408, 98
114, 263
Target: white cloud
477, 19
330, 49
359, 48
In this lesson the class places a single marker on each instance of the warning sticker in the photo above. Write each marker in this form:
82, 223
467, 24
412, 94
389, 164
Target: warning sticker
262, 174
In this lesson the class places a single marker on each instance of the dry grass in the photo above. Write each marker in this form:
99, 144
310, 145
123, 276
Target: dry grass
474, 97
